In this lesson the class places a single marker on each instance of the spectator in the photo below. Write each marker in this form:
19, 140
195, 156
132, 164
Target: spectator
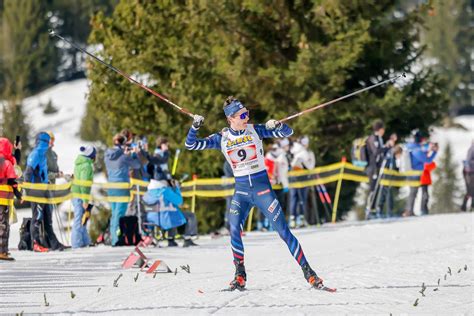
376, 151
167, 196
160, 158
277, 168
119, 160
392, 159
83, 171
468, 173
421, 156
52, 161
136, 207
42, 214
7, 177
303, 159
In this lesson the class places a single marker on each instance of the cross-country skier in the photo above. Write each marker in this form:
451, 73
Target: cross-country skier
242, 146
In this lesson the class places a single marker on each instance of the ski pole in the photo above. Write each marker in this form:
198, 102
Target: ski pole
314, 108
52, 33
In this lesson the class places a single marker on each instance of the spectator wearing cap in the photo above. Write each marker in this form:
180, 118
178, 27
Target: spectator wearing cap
119, 160
83, 176
52, 161
303, 159
37, 172
422, 154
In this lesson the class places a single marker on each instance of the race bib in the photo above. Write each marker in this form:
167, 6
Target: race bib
242, 154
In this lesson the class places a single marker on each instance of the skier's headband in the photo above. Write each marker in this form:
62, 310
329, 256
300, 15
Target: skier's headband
233, 107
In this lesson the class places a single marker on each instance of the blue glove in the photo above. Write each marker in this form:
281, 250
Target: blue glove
285, 190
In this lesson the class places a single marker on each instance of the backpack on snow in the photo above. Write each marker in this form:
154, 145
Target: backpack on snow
25, 236
129, 233
359, 154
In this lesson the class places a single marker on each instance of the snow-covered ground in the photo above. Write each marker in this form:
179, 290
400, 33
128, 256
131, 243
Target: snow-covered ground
378, 267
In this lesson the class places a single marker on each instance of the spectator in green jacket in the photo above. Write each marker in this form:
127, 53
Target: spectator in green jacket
83, 171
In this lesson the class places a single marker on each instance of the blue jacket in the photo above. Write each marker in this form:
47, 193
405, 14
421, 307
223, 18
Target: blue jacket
170, 196
168, 199
118, 164
36, 164
419, 155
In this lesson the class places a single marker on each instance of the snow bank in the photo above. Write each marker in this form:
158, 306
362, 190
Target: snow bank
378, 267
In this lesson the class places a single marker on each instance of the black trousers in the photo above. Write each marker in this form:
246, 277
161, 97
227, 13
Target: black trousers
41, 227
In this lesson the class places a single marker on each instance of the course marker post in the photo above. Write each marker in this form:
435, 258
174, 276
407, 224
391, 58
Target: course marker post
338, 190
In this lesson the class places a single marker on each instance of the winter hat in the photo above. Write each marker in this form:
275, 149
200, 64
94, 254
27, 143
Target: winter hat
6, 149
284, 142
42, 137
88, 151
304, 141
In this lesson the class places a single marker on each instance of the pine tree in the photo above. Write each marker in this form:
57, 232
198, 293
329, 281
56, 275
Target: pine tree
445, 184
448, 36
28, 59
27, 63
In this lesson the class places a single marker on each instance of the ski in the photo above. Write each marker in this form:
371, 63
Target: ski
325, 288
232, 289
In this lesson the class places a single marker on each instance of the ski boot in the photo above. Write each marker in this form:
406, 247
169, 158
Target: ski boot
238, 283
312, 277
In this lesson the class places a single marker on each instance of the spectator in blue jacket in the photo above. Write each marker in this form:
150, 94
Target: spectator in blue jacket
166, 195
37, 172
119, 160
421, 153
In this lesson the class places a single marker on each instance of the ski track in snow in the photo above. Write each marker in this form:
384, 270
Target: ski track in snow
377, 267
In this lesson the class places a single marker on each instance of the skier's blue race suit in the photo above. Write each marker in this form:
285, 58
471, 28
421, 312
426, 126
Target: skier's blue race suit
252, 186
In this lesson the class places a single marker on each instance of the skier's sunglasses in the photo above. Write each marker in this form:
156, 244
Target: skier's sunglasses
242, 116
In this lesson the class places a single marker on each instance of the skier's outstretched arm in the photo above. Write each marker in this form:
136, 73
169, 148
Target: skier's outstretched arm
273, 129
194, 143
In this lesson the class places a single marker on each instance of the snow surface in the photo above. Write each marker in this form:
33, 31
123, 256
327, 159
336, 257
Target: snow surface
378, 268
